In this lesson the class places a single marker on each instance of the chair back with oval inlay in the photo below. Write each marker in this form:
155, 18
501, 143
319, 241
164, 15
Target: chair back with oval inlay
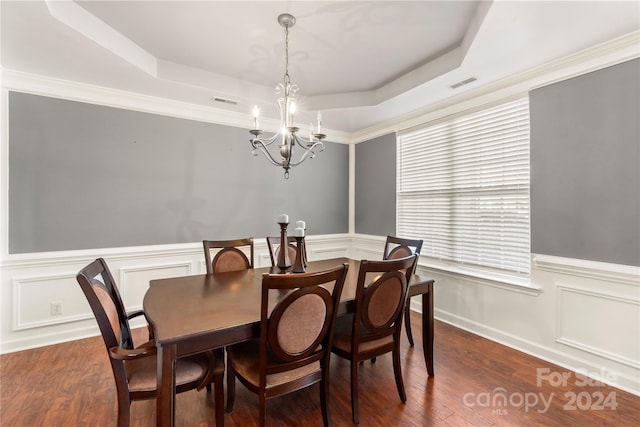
298, 314
229, 256
135, 367
374, 328
398, 247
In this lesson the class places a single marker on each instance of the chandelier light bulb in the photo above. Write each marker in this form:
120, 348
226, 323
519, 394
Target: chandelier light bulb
292, 111
256, 114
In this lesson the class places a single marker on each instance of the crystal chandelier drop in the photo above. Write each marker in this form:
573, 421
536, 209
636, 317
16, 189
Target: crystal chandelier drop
288, 133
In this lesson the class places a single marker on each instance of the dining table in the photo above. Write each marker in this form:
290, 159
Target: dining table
196, 313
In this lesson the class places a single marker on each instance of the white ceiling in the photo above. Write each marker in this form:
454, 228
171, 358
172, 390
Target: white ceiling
360, 62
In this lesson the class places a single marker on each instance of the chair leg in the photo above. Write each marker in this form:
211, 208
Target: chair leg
354, 392
124, 407
123, 415
397, 370
231, 387
407, 322
263, 409
219, 399
324, 397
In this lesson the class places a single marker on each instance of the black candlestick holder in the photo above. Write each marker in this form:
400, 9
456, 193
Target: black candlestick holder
283, 253
303, 248
299, 265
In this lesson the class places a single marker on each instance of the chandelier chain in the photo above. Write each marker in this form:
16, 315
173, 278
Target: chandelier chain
286, 54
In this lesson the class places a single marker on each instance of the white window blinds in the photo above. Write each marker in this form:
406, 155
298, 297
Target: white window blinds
463, 187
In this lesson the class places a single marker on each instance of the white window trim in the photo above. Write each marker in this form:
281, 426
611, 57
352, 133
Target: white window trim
521, 284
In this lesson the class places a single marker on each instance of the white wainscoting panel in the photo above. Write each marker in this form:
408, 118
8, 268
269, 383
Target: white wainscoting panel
33, 296
599, 323
368, 247
134, 281
327, 253
263, 260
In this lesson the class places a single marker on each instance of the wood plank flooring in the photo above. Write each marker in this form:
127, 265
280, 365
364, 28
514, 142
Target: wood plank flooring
71, 384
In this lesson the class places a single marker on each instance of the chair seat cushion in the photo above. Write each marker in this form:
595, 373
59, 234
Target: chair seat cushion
245, 360
342, 337
142, 373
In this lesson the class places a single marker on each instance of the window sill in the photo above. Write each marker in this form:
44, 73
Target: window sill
482, 277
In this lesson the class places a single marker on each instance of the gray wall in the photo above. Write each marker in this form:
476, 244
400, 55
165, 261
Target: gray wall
375, 186
85, 176
585, 166
585, 169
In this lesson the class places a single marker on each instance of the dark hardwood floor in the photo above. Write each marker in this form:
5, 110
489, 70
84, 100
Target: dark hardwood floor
71, 385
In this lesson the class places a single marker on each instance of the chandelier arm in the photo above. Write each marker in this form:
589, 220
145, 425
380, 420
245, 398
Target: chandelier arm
310, 150
266, 142
297, 141
262, 147
304, 143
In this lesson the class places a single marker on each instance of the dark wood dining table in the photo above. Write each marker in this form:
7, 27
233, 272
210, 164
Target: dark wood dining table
191, 314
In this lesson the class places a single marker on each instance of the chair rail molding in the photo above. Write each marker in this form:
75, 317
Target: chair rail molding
616, 273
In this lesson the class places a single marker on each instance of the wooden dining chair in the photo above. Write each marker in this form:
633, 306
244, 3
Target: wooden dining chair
273, 243
374, 329
229, 257
135, 367
398, 247
293, 350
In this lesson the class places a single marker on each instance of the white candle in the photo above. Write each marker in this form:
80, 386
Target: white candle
298, 232
310, 131
256, 113
284, 218
319, 122
301, 224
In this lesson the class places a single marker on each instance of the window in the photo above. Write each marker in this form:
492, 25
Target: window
463, 187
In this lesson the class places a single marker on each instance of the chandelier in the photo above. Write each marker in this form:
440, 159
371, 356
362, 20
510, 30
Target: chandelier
288, 136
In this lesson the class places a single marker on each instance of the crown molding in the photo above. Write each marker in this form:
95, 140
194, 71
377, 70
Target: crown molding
600, 56
82, 92
603, 55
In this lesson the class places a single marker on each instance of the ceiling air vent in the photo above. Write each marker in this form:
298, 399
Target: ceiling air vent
224, 100
463, 82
